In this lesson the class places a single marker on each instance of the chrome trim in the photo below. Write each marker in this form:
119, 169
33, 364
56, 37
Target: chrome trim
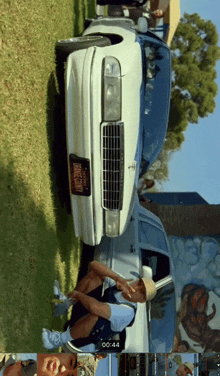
92, 145
112, 159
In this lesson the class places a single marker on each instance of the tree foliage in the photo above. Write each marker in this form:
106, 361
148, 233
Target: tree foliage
178, 359
194, 55
159, 170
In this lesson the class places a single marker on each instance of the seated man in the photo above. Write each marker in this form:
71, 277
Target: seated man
135, 13
174, 368
94, 318
185, 369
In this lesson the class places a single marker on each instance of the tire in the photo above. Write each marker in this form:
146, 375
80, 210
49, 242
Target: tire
67, 46
70, 348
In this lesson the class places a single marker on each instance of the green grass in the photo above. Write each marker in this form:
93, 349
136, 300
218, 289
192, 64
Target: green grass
37, 242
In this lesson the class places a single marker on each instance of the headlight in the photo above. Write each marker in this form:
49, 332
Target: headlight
111, 89
112, 222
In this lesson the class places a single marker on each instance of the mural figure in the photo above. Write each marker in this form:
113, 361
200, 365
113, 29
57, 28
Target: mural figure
180, 346
194, 318
197, 289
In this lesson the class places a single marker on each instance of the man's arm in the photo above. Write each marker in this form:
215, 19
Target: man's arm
92, 304
103, 271
13, 369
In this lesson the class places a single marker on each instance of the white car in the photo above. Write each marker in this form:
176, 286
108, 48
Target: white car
142, 251
117, 91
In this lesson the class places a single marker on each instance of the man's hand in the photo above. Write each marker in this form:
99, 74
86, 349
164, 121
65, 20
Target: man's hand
73, 295
103, 271
122, 284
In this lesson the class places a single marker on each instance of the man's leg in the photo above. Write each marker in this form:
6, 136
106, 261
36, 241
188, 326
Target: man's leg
88, 283
84, 326
81, 329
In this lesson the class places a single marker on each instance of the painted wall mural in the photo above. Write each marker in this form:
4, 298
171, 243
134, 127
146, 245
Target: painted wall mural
197, 282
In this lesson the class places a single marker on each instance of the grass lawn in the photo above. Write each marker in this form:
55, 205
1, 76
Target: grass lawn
37, 242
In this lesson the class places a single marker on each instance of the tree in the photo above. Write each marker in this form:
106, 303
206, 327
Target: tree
194, 55
159, 170
178, 359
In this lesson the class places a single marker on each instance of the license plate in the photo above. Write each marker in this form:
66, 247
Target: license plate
80, 175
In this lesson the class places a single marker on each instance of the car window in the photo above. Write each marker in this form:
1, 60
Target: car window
150, 234
162, 319
158, 262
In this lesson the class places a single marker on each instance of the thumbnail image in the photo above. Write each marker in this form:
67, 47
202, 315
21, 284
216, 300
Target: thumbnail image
209, 364
97, 364
158, 364
82, 364
57, 364
18, 364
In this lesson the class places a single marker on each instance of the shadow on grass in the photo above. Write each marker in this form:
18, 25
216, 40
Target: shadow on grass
28, 249
87, 255
57, 141
59, 172
60, 188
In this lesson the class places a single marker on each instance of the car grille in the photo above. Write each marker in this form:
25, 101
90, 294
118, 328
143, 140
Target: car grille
113, 165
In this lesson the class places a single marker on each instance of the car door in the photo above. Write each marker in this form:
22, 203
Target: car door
155, 256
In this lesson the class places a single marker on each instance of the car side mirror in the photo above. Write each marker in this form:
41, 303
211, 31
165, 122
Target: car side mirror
142, 25
147, 272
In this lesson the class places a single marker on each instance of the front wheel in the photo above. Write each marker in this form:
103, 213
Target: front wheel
67, 46
64, 47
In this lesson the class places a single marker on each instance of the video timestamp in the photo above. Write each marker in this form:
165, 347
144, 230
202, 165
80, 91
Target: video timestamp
111, 344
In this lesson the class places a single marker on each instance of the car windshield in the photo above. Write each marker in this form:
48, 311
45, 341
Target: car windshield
162, 319
150, 234
155, 100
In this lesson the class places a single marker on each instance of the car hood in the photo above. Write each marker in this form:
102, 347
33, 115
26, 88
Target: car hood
131, 120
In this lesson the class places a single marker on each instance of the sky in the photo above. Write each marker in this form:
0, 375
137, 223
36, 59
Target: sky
105, 369
195, 168
189, 358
